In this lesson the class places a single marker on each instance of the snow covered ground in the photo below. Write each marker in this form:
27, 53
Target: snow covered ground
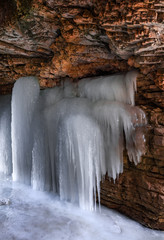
34, 215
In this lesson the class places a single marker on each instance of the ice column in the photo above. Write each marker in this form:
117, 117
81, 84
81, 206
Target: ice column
24, 100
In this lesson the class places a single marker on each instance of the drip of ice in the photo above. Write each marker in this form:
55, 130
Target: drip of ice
113, 119
5, 135
79, 151
117, 123
66, 144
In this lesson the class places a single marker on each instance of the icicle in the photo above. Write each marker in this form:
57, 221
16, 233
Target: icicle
49, 99
79, 152
118, 87
24, 99
66, 144
41, 169
131, 87
117, 120
135, 142
112, 117
5, 135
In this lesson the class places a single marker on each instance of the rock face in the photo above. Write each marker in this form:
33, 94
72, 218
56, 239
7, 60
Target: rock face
56, 40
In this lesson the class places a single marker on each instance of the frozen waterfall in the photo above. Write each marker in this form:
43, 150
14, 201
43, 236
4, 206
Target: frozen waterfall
24, 101
67, 138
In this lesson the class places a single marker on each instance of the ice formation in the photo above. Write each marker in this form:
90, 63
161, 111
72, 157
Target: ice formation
117, 123
41, 216
118, 87
65, 139
78, 150
24, 101
5, 135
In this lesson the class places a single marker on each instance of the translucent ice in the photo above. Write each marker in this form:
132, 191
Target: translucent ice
79, 151
41, 169
66, 144
118, 87
117, 123
49, 97
39, 215
5, 135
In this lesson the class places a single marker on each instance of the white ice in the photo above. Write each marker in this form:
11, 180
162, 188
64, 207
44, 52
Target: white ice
38, 215
24, 100
66, 138
117, 87
118, 121
79, 150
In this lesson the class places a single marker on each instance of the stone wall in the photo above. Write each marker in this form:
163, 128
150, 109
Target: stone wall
59, 39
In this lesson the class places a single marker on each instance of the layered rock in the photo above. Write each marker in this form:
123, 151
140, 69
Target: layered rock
58, 40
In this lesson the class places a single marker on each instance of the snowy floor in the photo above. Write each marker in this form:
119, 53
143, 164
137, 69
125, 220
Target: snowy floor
40, 216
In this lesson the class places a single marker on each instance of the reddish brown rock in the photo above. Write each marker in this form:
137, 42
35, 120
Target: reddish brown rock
85, 34
138, 192
57, 40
